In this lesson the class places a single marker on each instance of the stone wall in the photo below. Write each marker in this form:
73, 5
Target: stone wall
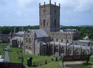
49, 17
5, 38
64, 36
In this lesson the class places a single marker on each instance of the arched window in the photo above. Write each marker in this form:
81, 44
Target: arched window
44, 10
62, 50
68, 51
61, 40
44, 21
56, 48
55, 11
57, 40
47, 23
67, 41
55, 22
84, 53
76, 52
41, 24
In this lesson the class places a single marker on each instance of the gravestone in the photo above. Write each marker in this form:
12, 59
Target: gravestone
29, 61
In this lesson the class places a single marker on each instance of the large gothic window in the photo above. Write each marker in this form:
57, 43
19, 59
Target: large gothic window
41, 24
47, 23
61, 40
56, 48
68, 51
55, 11
44, 10
66, 41
55, 22
62, 50
44, 21
76, 52
84, 53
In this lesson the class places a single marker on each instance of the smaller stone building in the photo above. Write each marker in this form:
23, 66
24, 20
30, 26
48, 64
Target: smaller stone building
35, 41
4, 38
17, 39
50, 40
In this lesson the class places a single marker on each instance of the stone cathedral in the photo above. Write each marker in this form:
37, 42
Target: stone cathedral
50, 40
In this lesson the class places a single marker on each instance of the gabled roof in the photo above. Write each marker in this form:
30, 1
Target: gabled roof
84, 41
20, 33
68, 30
40, 33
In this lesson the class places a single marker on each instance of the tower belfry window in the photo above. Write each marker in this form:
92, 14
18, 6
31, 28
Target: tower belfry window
47, 23
44, 21
55, 11
55, 22
44, 10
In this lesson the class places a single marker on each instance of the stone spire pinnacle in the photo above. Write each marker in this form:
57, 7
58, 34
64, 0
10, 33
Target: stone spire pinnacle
44, 3
50, 1
39, 4
14, 30
55, 3
59, 4
22, 28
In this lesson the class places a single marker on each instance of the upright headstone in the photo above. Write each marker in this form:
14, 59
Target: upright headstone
29, 61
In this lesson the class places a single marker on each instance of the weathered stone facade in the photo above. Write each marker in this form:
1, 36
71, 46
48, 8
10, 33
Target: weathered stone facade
50, 40
4, 38
49, 17
17, 39
35, 42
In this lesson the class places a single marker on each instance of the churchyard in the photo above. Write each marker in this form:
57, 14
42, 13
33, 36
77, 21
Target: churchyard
2, 48
37, 61
84, 66
40, 61
3, 44
2, 52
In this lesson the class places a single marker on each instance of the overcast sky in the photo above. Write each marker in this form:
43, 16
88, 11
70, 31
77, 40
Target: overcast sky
26, 12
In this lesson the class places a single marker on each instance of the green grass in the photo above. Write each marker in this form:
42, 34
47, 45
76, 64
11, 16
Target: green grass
14, 56
51, 65
2, 52
38, 61
91, 59
2, 49
4, 44
84, 66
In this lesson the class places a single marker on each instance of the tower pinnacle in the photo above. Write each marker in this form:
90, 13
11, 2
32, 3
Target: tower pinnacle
50, 1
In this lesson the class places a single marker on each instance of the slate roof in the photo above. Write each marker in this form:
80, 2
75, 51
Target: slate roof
81, 46
40, 33
20, 33
17, 38
83, 40
68, 30
70, 45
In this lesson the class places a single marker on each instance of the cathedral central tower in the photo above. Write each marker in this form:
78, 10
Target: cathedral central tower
49, 17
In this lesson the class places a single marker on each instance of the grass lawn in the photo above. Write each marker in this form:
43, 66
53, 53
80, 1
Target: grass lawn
4, 44
38, 61
51, 65
2, 49
2, 52
91, 59
84, 66
14, 54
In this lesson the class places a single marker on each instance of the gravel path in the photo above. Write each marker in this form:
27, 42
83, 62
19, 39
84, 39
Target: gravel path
6, 54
